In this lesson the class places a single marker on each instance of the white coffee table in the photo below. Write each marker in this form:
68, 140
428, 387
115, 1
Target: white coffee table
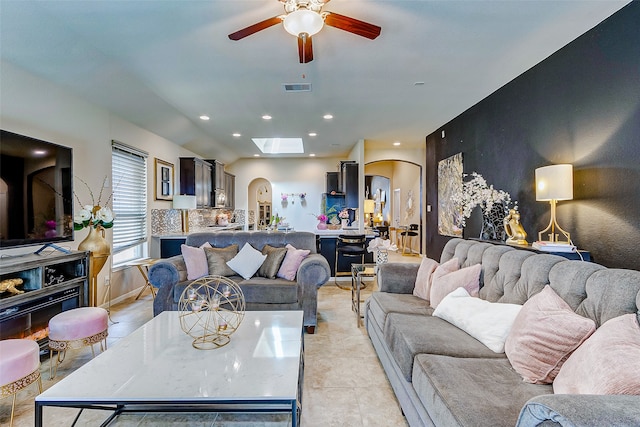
156, 369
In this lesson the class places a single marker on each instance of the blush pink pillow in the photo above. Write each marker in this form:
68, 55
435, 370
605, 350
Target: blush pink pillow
196, 261
292, 261
544, 335
424, 278
608, 362
467, 278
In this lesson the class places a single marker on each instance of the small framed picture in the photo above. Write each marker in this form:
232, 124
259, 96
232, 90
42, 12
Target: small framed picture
163, 180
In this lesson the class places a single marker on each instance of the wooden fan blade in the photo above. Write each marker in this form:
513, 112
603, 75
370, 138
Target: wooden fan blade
252, 29
352, 25
305, 48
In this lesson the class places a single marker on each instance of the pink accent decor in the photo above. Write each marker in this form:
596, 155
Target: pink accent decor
78, 323
443, 285
424, 278
543, 336
196, 261
292, 261
19, 358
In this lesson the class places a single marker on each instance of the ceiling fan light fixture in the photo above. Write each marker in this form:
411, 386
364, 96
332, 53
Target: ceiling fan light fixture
303, 21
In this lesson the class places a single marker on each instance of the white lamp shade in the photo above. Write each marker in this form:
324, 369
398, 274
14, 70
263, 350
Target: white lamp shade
184, 201
303, 21
554, 182
369, 206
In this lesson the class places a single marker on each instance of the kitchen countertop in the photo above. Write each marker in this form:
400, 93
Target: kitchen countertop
335, 233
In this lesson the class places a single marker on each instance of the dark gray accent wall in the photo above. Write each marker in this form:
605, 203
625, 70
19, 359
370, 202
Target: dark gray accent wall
580, 106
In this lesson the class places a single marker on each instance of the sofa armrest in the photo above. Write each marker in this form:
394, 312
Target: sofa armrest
581, 410
164, 275
312, 273
397, 278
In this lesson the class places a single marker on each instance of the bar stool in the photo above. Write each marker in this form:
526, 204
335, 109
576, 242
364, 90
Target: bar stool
19, 368
76, 328
350, 247
409, 234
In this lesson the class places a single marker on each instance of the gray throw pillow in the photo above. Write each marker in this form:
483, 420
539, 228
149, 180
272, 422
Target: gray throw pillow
217, 259
271, 264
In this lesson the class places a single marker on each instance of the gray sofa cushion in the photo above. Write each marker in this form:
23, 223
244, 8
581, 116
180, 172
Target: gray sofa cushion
217, 259
257, 290
408, 335
271, 264
472, 392
381, 304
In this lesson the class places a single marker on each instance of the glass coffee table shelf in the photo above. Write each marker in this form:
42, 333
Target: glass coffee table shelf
358, 272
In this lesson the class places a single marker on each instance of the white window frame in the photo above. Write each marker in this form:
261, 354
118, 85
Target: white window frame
129, 178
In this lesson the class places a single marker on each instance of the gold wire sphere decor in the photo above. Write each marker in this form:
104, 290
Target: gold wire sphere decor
211, 309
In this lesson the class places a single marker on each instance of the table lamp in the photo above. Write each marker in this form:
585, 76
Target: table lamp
554, 183
184, 203
369, 208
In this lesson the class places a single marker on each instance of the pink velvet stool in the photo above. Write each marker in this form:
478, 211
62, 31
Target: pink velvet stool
19, 367
74, 329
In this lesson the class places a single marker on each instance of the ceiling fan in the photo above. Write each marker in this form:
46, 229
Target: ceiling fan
303, 19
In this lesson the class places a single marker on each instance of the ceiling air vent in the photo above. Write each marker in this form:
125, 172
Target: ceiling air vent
297, 87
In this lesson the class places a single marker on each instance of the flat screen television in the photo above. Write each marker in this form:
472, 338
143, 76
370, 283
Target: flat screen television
36, 194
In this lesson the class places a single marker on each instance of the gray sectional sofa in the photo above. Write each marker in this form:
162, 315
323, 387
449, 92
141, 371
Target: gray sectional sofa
442, 376
261, 293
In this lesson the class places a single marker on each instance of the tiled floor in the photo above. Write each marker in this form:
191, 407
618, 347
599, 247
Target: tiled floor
344, 383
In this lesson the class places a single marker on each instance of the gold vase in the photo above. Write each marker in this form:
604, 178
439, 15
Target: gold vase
100, 250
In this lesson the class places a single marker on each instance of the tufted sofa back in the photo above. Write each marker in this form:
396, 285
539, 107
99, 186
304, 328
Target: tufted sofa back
511, 275
257, 239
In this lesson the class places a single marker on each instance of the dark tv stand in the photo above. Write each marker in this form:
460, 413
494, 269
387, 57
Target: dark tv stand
54, 246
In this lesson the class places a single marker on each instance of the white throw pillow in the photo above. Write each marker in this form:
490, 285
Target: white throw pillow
489, 323
247, 262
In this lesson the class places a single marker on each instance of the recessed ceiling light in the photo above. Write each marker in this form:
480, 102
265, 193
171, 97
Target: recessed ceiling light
279, 145
204, 117
256, 155
313, 134
39, 152
396, 143
327, 116
266, 117
312, 155
237, 135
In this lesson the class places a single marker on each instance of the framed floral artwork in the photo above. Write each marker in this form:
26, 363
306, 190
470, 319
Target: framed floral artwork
164, 175
449, 184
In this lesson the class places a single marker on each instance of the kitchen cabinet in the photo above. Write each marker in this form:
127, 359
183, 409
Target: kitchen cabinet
349, 183
229, 190
195, 180
220, 193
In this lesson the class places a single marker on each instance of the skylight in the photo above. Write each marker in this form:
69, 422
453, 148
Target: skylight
279, 145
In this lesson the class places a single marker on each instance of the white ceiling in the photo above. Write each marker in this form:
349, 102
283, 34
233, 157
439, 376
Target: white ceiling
162, 63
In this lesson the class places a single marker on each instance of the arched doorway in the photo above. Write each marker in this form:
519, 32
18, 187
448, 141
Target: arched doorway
403, 197
260, 201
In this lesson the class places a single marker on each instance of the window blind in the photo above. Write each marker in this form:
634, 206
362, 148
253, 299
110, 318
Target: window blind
129, 177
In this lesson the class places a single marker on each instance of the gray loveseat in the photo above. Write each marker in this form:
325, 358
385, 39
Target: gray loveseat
261, 293
442, 376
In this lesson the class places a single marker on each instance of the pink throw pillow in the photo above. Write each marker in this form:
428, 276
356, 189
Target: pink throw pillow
424, 278
467, 278
544, 335
608, 362
196, 261
292, 261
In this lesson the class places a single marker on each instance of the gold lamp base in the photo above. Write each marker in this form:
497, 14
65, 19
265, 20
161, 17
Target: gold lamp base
553, 230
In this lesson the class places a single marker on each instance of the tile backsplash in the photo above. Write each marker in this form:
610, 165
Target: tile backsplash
166, 221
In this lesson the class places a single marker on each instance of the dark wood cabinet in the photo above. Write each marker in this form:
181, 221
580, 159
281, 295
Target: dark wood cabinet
332, 182
219, 196
195, 179
229, 190
349, 183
